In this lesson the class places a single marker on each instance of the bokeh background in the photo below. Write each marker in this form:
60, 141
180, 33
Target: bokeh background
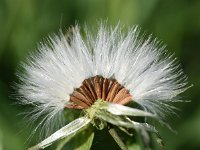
23, 23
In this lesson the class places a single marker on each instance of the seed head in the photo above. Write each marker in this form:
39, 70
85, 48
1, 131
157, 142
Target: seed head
100, 75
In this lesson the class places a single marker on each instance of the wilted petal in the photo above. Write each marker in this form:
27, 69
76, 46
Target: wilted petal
115, 120
125, 122
65, 131
143, 126
117, 109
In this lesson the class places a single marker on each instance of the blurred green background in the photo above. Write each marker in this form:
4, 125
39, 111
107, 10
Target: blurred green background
23, 23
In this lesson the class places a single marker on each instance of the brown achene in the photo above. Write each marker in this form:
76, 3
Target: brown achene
95, 88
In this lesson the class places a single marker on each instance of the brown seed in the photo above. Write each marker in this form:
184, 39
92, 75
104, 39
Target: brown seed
105, 88
95, 88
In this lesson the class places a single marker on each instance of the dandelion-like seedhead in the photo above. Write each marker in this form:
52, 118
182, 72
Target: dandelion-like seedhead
99, 75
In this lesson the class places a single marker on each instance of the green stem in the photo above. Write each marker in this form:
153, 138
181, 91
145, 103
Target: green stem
116, 137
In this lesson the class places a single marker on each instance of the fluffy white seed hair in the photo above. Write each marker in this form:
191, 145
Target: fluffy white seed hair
152, 76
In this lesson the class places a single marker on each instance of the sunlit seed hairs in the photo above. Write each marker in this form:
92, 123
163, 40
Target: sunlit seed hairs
142, 68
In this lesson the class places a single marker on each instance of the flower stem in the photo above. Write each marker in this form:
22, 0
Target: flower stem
116, 137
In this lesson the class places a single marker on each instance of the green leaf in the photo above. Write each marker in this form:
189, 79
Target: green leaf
88, 143
82, 141
134, 146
